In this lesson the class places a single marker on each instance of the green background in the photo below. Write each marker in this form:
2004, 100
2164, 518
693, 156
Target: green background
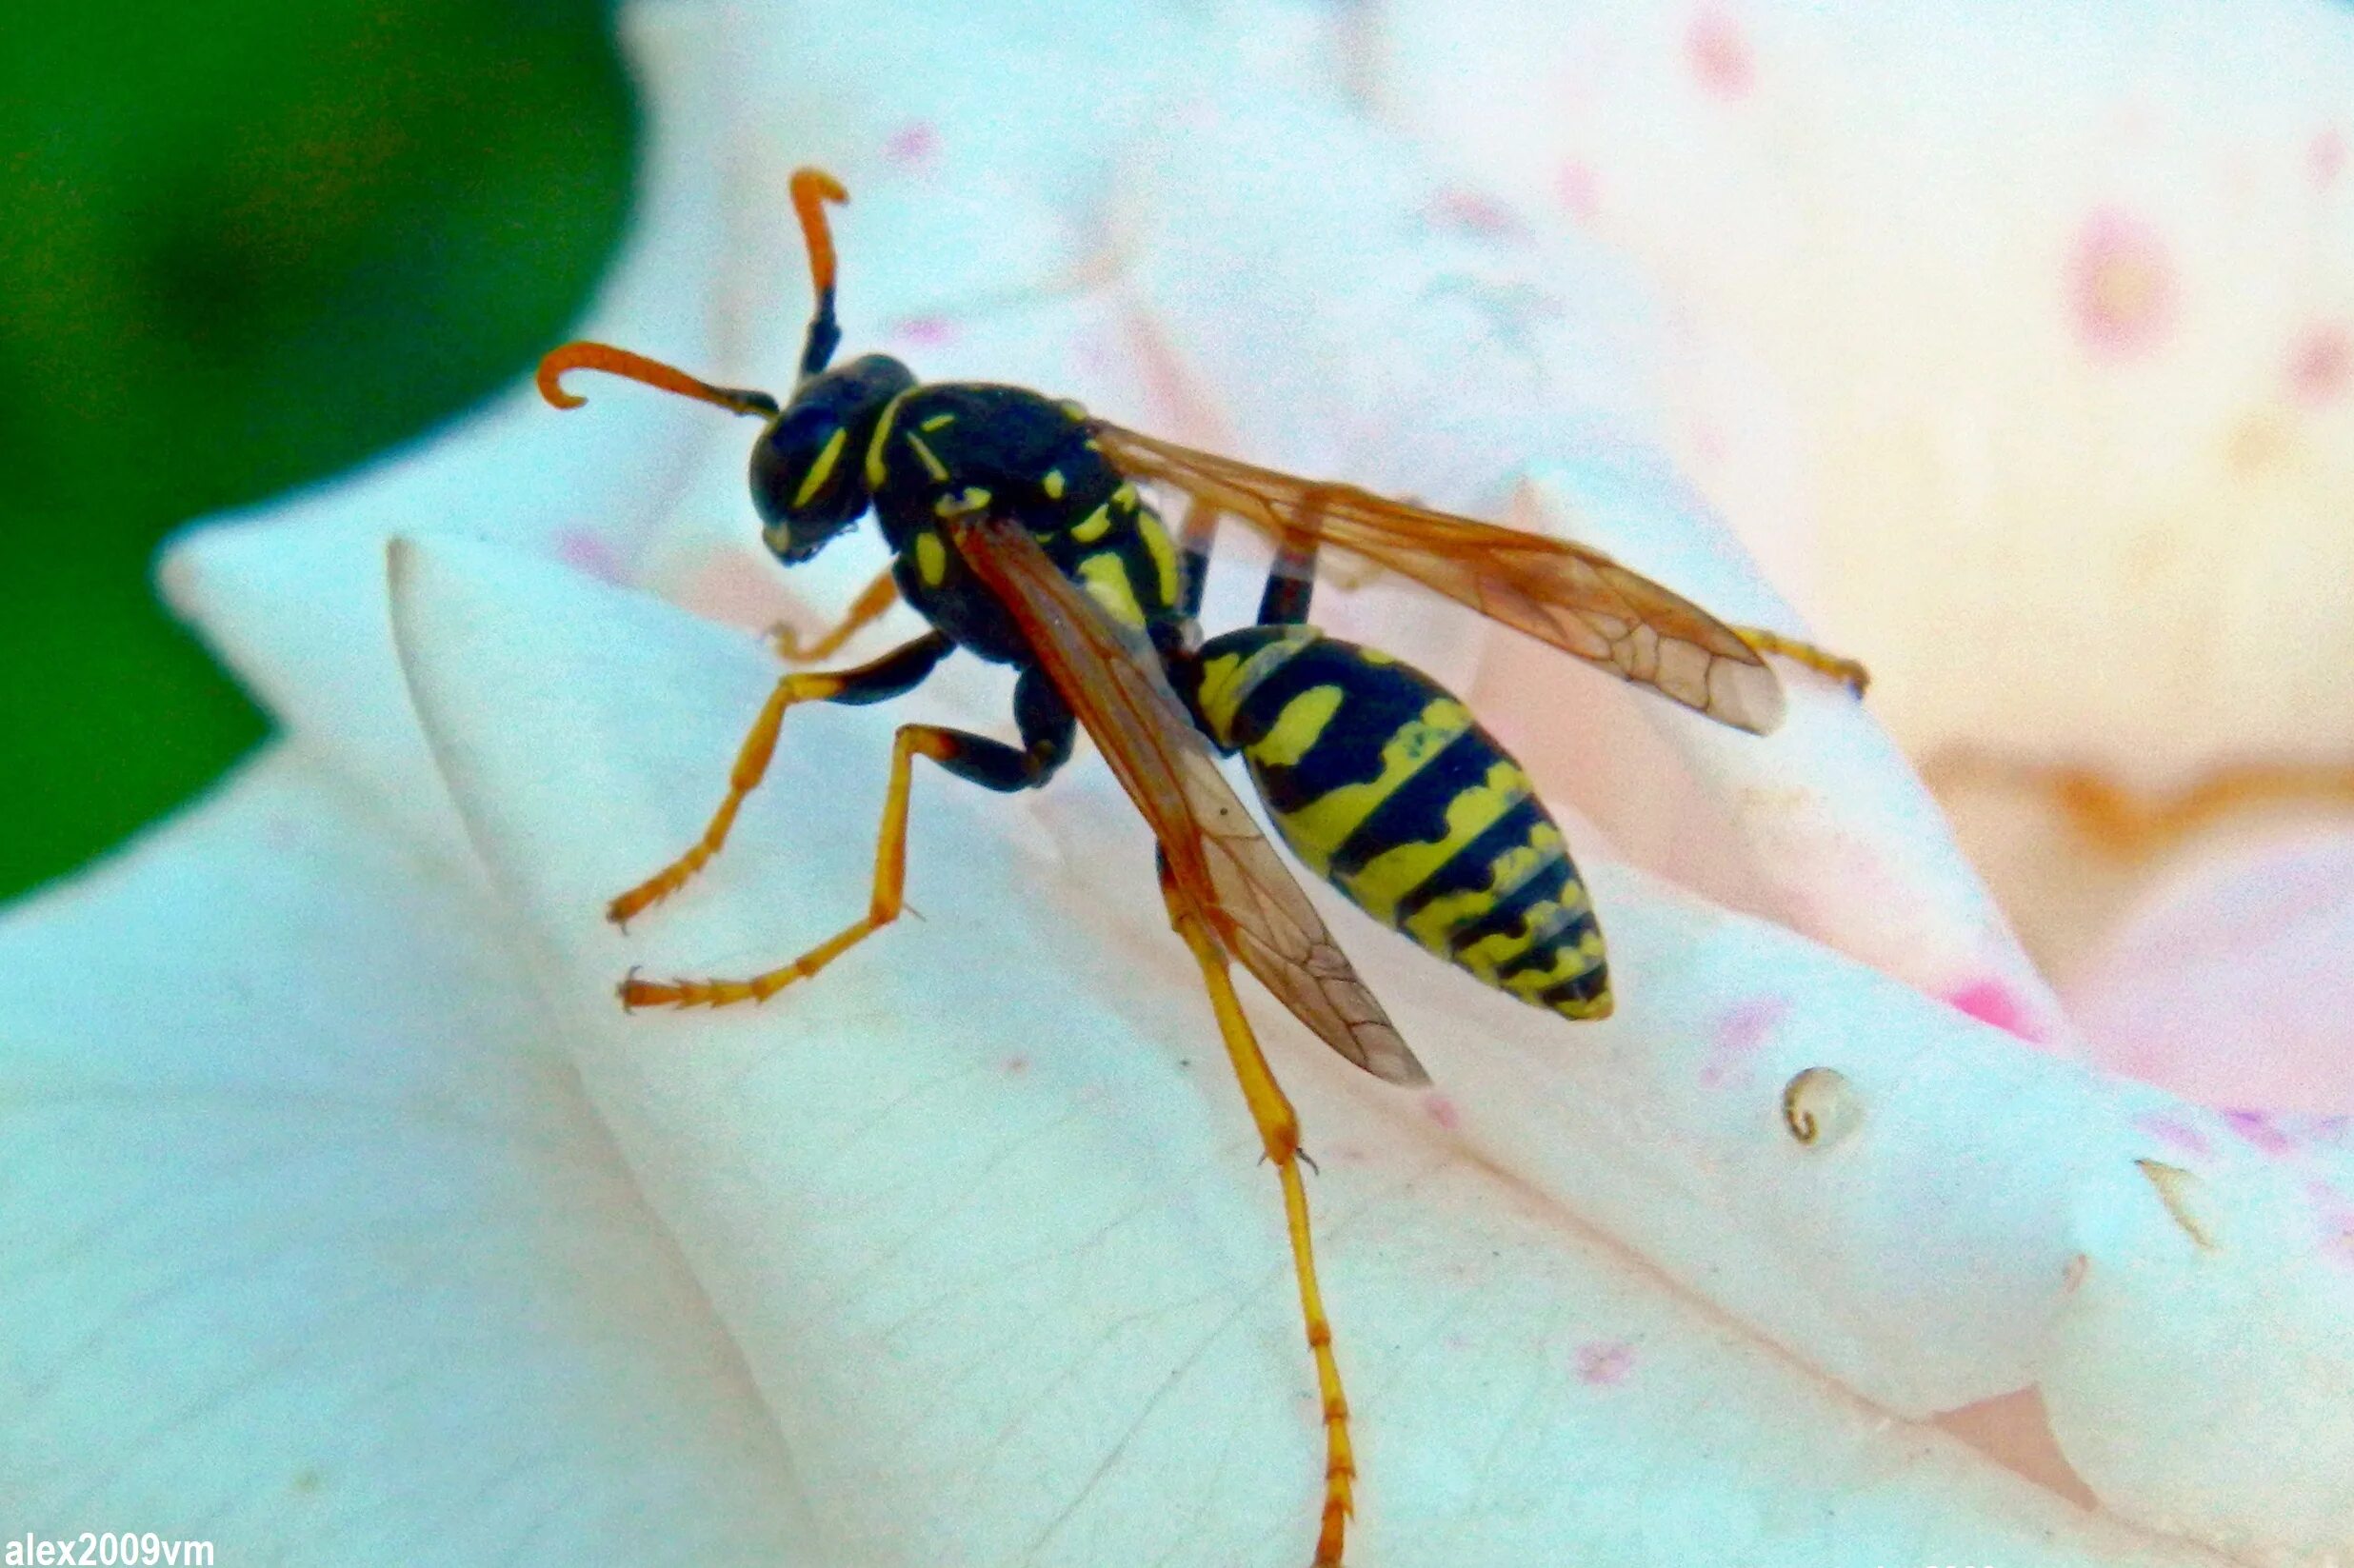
245, 244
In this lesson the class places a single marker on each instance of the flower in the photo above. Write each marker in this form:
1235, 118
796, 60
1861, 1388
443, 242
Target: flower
348, 1214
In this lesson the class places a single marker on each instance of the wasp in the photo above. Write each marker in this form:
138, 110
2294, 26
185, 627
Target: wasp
1019, 534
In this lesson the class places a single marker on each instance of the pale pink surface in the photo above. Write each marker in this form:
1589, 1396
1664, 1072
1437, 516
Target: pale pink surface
2231, 983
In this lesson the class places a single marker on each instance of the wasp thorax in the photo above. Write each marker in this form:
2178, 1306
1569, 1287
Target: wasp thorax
809, 467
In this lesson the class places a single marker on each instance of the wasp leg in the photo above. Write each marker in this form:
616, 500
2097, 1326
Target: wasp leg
894, 673
1196, 537
1047, 729
1846, 671
878, 596
1279, 1135
1292, 581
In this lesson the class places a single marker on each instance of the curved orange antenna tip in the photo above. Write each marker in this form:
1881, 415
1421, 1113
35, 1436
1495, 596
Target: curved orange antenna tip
812, 189
637, 367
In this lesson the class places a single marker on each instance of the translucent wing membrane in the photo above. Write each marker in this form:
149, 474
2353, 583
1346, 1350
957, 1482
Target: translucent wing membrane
1217, 856
1576, 599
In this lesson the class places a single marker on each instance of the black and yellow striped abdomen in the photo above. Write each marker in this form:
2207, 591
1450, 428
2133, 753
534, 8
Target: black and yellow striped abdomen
1384, 786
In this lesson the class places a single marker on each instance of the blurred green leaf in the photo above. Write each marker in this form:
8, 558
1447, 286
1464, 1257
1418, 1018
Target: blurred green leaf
244, 246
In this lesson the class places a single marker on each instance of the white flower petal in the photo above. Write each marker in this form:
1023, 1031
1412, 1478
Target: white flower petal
309, 1245
2202, 1378
979, 1202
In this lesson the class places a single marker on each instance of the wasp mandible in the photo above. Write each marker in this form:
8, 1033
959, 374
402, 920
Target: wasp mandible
1018, 532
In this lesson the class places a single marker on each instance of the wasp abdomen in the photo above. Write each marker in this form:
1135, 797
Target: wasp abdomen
1383, 784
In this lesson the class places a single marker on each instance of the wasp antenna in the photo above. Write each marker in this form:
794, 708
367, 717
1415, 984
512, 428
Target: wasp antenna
812, 189
651, 372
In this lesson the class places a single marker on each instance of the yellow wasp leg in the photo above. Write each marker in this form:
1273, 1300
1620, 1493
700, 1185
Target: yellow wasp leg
1279, 1134
878, 596
883, 906
895, 672
1847, 672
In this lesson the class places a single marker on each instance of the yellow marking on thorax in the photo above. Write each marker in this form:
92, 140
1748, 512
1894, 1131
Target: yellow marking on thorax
937, 422
822, 468
973, 499
1124, 497
1323, 823
1052, 484
1092, 527
1231, 678
1106, 576
931, 559
1163, 553
1389, 876
1296, 727
938, 469
877, 472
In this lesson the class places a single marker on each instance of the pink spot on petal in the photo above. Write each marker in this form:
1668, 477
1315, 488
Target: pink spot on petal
1745, 1027
1473, 211
1719, 53
2174, 1132
1991, 1002
1603, 1363
1739, 1032
924, 332
911, 143
1442, 1110
2120, 285
2257, 1128
1578, 191
2325, 156
1708, 439
2334, 1213
2322, 365
589, 553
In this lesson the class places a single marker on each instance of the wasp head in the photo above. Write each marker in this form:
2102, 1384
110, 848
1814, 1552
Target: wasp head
809, 471
809, 465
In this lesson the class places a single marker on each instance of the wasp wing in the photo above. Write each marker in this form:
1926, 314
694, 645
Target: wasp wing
1576, 599
1221, 863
